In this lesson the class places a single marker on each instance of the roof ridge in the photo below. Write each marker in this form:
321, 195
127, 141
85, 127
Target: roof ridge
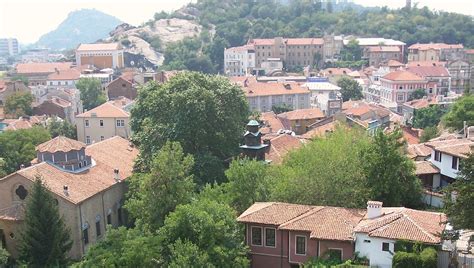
418, 226
313, 210
269, 204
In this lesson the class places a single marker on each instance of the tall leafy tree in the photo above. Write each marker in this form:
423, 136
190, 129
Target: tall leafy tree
58, 127
154, 195
390, 174
350, 89
205, 114
352, 51
460, 209
462, 111
17, 147
429, 133
428, 117
19, 104
211, 228
45, 240
92, 94
417, 94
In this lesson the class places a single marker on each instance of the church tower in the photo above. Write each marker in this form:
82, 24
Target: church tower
253, 147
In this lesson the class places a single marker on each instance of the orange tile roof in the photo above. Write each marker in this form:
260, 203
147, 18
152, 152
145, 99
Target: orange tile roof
410, 137
48, 67
425, 167
426, 63
405, 224
68, 74
457, 147
304, 41
105, 110
421, 103
24, 122
271, 123
255, 88
110, 154
241, 48
302, 114
273, 213
402, 76
101, 46
416, 150
429, 71
327, 223
394, 63
321, 131
384, 49
436, 46
336, 71
60, 144
280, 146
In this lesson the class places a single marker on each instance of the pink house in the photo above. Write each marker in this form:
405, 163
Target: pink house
287, 235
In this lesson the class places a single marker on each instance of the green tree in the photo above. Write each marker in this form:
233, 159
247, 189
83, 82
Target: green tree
123, 247
187, 254
211, 227
3, 257
92, 94
350, 89
59, 127
45, 240
429, 133
281, 108
154, 195
17, 147
205, 114
460, 210
19, 104
3, 173
247, 183
395, 184
462, 110
428, 117
417, 94
352, 51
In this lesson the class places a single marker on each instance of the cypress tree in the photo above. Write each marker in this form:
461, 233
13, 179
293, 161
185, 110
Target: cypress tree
45, 239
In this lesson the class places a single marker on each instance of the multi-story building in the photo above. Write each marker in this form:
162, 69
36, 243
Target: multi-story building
109, 55
332, 48
86, 182
378, 55
121, 87
103, 122
35, 55
263, 96
436, 74
239, 61
367, 43
324, 95
9, 47
299, 120
8, 88
37, 73
436, 52
461, 75
64, 78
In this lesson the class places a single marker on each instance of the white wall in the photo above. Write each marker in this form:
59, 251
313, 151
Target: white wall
445, 164
373, 250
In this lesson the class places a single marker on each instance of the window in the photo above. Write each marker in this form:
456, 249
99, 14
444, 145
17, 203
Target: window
87, 123
85, 235
119, 216
270, 237
120, 123
300, 245
256, 236
21, 192
400, 97
335, 253
385, 246
109, 219
101, 138
97, 228
437, 156
454, 164
88, 139
366, 241
101, 123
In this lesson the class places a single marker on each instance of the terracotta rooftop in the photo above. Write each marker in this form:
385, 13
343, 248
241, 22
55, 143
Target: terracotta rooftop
336, 71
436, 46
288, 41
405, 224
60, 144
394, 63
102, 46
425, 167
255, 88
68, 74
421, 103
110, 154
280, 146
271, 123
105, 110
456, 147
429, 71
418, 150
426, 63
42, 68
321, 130
402, 76
23, 122
384, 49
273, 213
302, 114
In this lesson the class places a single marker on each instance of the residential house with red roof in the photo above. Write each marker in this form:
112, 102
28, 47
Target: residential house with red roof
434, 74
435, 52
37, 73
288, 235
86, 182
101, 55
299, 120
378, 55
56, 106
103, 122
121, 87
64, 78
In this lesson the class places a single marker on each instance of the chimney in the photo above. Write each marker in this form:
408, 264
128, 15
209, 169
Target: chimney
374, 209
465, 129
66, 190
116, 175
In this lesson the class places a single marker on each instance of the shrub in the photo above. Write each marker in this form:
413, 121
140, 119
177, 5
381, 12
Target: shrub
406, 260
429, 258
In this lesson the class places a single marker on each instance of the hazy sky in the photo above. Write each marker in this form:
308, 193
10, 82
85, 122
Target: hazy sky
27, 20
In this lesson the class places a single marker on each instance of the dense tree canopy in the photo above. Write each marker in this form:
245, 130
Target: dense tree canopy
45, 239
19, 104
92, 94
205, 114
59, 127
428, 117
417, 94
17, 147
350, 89
462, 111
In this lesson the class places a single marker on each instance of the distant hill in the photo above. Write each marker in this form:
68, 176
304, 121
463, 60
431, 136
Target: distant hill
82, 26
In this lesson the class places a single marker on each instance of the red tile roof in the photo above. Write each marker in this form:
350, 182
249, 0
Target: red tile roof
303, 114
105, 110
426, 63
336, 71
271, 123
402, 76
394, 63
49, 67
68, 74
418, 150
24, 122
272, 213
241, 48
421, 103
255, 88
425, 167
288, 41
321, 130
429, 71
456, 147
436, 46
280, 146
101, 46
60, 144
384, 49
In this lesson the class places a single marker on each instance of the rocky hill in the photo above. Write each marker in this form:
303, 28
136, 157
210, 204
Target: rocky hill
82, 26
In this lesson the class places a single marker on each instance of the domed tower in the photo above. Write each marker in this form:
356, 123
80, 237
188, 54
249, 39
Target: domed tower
253, 147
65, 154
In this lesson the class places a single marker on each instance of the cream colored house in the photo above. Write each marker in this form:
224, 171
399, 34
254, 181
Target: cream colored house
103, 122
87, 183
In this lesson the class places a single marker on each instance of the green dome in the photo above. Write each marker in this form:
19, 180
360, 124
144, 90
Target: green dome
253, 123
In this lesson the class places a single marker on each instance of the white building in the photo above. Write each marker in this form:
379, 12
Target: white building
9, 47
64, 78
324, 95
239, 61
